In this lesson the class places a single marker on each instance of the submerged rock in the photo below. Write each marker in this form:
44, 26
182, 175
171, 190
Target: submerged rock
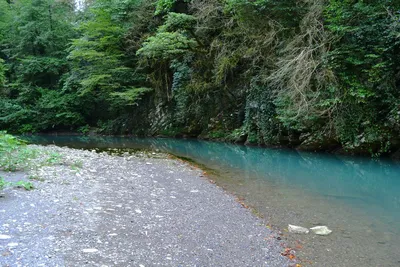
321, 230
297, 229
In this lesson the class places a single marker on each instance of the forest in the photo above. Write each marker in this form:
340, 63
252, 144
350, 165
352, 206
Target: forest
319, 75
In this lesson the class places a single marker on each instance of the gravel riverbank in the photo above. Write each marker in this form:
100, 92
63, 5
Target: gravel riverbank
95, 209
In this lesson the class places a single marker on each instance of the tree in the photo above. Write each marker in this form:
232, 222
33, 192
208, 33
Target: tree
36, 40
99, 67
35, 37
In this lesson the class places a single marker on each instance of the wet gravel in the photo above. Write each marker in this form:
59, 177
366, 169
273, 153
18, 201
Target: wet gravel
96, 209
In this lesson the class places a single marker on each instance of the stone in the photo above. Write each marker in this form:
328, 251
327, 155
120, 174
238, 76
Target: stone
90, 250
321, 230
297, 229
2, 237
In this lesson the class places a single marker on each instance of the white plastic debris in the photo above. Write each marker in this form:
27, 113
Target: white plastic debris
321, 230
297, 229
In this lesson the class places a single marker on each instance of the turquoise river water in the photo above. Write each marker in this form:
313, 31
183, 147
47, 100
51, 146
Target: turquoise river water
358, 198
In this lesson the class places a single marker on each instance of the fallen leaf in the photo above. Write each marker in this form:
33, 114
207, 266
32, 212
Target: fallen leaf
298, 246
288, 253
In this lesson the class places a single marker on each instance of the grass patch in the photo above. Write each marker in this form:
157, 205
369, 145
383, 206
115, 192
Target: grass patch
26, 185
54, 159
77, 165
3, 183
20, 184
36, 177
14, 154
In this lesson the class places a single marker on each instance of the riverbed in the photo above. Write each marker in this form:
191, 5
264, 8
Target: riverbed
140, 209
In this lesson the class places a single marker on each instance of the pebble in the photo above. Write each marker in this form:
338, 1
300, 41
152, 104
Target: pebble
90, 250
2, 237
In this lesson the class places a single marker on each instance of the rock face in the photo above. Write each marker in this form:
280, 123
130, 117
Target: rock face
321, 230
297, 229
317, 143
396, 155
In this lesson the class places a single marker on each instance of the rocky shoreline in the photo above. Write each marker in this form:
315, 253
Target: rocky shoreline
141, 209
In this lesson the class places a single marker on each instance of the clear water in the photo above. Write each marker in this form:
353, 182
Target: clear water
358, 198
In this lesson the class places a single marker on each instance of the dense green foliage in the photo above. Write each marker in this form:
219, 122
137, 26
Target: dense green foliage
33, 44
319, 74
